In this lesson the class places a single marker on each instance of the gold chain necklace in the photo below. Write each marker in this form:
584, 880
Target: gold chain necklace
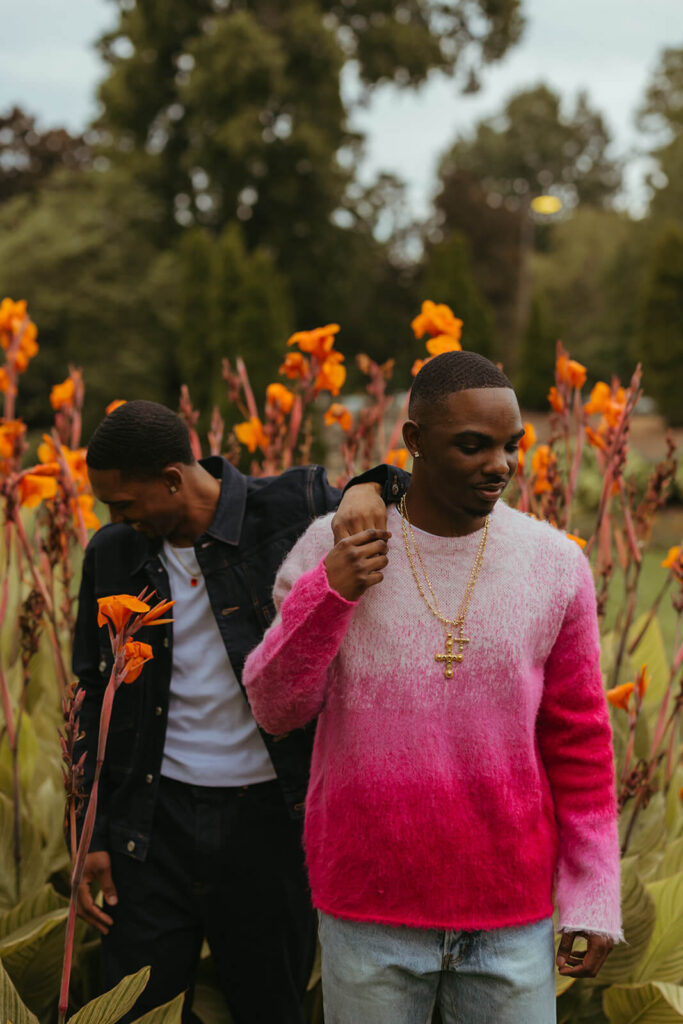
194, 576
450, 625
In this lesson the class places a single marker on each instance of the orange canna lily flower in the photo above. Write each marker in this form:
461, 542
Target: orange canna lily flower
418, 364
85, 502
28, 347
600, 396
5, 383
443, 343
437, 319
11, 433
34, 488
577, 540
62, 394
397, 457
338, 413
619, 696
251, 434
295, 366
114, 405
12, 315
331, 375
137, 655
672, 559
318, 342
527, 442
540, 464
571, 372
117, 609
593, 437
556, 400
279, 398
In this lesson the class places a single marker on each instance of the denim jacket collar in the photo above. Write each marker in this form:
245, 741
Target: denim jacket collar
229, 517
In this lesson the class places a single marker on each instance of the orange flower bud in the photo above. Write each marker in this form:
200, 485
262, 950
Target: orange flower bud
397, 457
619, 696
571, 372
556, 400
295, 366
672, 559
251, 434
114, 405
137, 654
338, 413
62, 394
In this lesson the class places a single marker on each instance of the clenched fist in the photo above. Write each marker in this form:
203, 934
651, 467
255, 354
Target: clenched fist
355, 563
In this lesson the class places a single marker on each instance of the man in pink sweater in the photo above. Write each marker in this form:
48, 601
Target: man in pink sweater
462, 779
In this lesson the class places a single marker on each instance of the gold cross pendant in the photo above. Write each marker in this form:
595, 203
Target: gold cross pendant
448, 658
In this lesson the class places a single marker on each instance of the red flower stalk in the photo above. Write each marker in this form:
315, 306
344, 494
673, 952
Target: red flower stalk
123, 615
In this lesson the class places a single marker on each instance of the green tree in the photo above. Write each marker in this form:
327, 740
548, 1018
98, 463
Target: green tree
537, 362
29, 156
590, 275
447, 277
235, 113
661, 116
661, 325
488, 182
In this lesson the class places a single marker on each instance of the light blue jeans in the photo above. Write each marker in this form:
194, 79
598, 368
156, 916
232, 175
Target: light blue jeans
377, 974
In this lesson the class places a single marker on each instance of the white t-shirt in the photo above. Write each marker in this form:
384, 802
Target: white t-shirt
211, 736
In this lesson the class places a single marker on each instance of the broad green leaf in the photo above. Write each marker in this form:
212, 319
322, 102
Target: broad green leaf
28, 756
649, 832
110, 1007
672, 861
562, 983
638, 912
34, 962
42, 902
663, 959
47, 812
32, 866
169, 1013
11, 1005
209, 1005
653, 1003
674, 805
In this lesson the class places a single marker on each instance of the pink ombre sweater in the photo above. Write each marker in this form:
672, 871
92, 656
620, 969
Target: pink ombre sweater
456, 803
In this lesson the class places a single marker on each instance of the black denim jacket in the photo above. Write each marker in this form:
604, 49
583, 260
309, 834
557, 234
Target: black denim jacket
257, 522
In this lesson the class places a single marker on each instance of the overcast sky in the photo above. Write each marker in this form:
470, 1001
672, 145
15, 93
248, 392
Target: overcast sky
608, 47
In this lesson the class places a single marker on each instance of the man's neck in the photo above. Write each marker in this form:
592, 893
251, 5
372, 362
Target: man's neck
200, 493
434, 518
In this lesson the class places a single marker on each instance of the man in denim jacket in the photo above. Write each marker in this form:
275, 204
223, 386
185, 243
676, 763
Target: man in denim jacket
198, 826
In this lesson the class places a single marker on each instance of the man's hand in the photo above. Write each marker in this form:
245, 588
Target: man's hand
584, 963
355, 563
97, 868
361, 508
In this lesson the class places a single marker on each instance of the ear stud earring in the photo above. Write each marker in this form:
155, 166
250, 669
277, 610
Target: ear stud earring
416, 455
173, 489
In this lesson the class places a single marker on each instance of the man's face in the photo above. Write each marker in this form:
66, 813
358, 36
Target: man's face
147, 504
469, 444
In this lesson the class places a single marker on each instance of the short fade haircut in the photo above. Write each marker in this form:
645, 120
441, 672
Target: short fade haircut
450, 372
140, 439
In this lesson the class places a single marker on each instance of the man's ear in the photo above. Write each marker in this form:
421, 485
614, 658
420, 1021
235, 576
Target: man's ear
411, 436
172, 478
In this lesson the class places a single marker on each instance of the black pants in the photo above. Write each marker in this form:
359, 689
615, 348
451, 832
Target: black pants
226, 864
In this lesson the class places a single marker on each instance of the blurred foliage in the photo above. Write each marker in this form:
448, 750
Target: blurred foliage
661, 326
28, 156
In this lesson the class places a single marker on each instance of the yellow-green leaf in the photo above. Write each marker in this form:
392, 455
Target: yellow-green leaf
653, 1003
169, 1013
663, 959
27, 753
638, 912
13, 1008
32, 946
110, 1007
32, 865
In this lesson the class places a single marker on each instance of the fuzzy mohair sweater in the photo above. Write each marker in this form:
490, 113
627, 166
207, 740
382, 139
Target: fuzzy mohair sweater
460, 803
